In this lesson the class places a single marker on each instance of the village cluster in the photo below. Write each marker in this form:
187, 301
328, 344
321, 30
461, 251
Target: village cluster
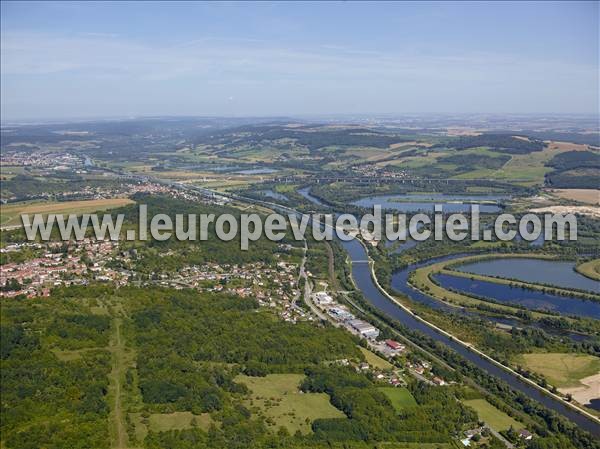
56, 264
90, 260
272, 286
56, 160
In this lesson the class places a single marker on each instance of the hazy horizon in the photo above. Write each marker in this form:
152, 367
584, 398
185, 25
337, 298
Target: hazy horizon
70, 61
347, 118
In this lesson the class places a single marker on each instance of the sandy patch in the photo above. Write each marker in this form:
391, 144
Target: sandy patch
588, 391
589, 196
412, 143
526, 139
462, 132
582, 210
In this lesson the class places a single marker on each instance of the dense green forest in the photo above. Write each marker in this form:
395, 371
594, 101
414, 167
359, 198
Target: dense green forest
575, 169
59, 357
499, 142
55, 370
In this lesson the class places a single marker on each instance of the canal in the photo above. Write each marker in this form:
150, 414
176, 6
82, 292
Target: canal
361, 273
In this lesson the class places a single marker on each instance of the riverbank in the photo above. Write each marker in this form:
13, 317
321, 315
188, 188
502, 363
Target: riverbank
473, 349
520, 384
423, 280
590, 269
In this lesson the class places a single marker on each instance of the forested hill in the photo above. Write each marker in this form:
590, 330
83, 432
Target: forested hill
312, 137
575, 169
500, 142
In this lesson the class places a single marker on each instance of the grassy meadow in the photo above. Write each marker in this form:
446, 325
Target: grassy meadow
374, 360
496, 419
561, 369
278, 398
400, 397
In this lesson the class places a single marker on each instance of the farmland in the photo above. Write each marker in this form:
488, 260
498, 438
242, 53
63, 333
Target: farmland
562, 369
10, 213
588, 196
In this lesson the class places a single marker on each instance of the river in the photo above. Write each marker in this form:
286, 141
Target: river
425, 202
361, 273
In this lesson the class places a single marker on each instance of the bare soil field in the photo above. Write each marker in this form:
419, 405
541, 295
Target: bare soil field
462, 132
589, 196
565, 146
584, 394
582, 210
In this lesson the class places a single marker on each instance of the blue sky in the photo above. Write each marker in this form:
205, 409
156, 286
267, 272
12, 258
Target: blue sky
71, 60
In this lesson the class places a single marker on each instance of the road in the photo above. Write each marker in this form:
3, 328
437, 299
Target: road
484, 361
507, 443
117, 349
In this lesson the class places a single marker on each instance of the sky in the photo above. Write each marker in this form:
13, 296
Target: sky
91, 60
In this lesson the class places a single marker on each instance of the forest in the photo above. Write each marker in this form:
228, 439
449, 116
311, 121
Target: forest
188, 348
574, 169
499, 142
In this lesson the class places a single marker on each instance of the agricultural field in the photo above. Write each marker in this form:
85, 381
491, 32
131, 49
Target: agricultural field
528, 168
588, 196
10, 214
562, 369
400, 397
496, 419
478, 162
278, 398
10, 171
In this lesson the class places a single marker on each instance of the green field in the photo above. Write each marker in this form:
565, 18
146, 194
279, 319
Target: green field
400, 397
496, 419
162, 422
374, 360
278, 398
560, 369
10, 214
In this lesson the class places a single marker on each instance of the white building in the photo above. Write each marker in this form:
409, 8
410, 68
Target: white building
340, 314
365, 329
323, 298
